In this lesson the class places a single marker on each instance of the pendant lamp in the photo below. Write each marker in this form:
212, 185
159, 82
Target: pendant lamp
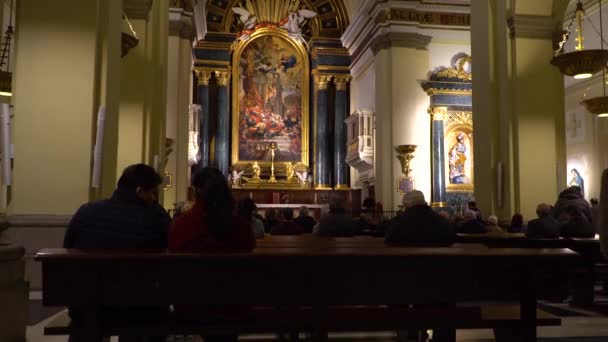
599, 105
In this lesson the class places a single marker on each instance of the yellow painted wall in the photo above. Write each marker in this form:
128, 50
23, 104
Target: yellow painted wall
539, 149
133, 83
54, 105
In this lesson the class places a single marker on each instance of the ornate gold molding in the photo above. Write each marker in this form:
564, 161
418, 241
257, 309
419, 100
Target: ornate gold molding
438, 113
438, 91
223, 77
328, 52
202, 76
341, 81
458, 118
321, 81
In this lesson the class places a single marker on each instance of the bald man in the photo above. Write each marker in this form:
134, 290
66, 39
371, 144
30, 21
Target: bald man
418, 224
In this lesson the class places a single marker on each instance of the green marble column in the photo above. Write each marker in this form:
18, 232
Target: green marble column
341, 171
222, 132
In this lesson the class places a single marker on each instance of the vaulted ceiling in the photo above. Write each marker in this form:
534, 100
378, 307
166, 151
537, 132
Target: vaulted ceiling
331, 21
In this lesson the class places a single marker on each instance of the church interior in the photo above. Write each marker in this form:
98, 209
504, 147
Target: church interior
308, 108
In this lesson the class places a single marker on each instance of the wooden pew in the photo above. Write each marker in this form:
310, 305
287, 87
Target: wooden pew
321, 279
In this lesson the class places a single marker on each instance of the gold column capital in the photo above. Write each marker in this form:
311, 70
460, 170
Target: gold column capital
438, 113
321, 81
202, 76
223, 77
341, 81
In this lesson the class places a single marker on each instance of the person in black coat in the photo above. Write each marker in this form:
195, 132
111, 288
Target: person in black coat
471, 224
337, 223
576, 225
545, 226
418, 224
131, 218
304, 220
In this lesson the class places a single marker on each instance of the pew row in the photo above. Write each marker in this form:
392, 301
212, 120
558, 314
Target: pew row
322, 280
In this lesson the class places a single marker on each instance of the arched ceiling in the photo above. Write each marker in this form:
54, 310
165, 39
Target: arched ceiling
331, 21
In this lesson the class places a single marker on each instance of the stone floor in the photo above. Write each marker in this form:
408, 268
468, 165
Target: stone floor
577, 326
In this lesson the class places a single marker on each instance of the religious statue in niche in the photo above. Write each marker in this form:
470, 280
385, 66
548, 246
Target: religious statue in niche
577, 180
457, 159
271, 99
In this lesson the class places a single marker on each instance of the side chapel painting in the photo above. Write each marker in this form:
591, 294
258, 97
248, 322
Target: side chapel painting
271, 96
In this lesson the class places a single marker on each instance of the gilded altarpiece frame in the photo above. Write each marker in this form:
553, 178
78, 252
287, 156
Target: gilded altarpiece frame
270, 99
458, 147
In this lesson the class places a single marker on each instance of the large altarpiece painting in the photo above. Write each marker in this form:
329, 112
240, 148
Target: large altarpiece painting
270, 99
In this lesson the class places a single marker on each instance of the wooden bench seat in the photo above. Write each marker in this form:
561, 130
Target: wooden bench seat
339, 319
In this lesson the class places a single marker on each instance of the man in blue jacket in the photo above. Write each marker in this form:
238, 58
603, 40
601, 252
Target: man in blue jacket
131, 218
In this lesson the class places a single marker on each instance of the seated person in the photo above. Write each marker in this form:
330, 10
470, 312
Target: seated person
545, 226
576, 224
304, 220
131, 218
211, 226
492, 226
247, 210
418, 224
470, 223
287, 226
271, 219
337, 223
517, 223
572, 196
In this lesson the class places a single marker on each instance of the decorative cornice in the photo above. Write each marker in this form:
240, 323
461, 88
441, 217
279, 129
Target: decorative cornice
328, 52
137, 9
39, 220
181, 23
214, 45
341, 81
400, 39
223, 77
202, 76
532, 26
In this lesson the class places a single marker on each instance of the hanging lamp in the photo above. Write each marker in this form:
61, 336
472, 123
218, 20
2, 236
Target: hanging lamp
129, 38
6, 77
599, 105
581, 63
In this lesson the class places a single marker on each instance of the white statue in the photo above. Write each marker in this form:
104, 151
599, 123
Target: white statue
304, 177
295, 21
235, 177
193, 148
248, 21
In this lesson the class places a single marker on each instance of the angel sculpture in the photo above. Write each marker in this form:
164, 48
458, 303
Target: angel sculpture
248, 21
304, 177
235, 177
295, 22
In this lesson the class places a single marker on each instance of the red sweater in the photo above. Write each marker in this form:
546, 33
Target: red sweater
190, 232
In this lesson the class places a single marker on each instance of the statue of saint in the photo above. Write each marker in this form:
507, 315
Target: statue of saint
457, 159
577, 180
256, 171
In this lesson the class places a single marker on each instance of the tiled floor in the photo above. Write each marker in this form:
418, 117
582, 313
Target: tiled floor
577, 326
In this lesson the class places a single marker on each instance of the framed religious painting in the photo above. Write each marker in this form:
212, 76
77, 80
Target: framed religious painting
270, 99
458, 140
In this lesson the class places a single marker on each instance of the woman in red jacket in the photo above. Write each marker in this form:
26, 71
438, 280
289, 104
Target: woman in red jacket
211, 224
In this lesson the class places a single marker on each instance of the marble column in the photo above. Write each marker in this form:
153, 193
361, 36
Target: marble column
341, 170
203, 77
322, 168
438, 195
222, 132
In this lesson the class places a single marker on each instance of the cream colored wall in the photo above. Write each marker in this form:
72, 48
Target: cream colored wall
401, 118
178, 98
55, 105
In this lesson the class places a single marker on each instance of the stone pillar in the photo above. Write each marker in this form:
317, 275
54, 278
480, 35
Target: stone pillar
322, 160
222, 133
203, 77
438, 195
518, 103
341, 169
401, 59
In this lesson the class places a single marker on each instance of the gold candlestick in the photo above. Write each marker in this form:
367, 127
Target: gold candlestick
272, 147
